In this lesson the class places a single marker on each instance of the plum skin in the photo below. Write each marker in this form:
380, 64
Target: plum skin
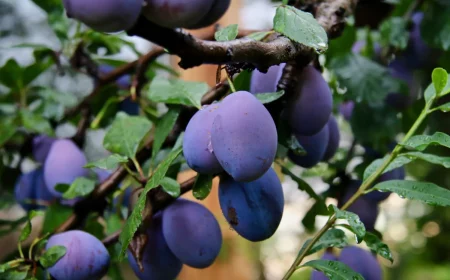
315, 147
86, 257
197, 147
333, 139
361, 261
31, 186
253, 209
217, 10
104, 15
41, 146
158, 260
244, 137
266, 82
192, 233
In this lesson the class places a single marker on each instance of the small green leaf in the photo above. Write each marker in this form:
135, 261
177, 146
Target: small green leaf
353, 220
227, 34
26, 231
202, 186
135, 219
35, 123
79, 188
397, 162
309, 220
163, 128
55, 215
110, 162
444, 161
376, 245
439, 78
52, 256
14, 275
258, 36
302, 185
444, 108
430, 93
331, 238
125, 134
394, 33
334, 270
294, 145
421, 142
170, 186
269, 96
300, 27
7, 130
427, 192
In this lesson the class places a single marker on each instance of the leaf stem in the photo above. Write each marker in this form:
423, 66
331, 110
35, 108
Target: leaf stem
131, 172
139, 168
230, 82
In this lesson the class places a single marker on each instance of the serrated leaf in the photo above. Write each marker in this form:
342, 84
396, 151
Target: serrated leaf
421, 142
79, 188
439, 77
227, 33
444, 161
125, 134
202, 186
397, 162
35, 123
353, 220
52, 256
427, 192
394, 33
269, 96
376, 245
110, 162
300, 27
55, 215
135, 219
26, 231
7, 130
163, 128
334, 270
174, 91
331, 238
302, 185
170, 186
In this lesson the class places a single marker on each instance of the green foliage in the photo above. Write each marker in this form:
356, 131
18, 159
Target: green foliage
79, 188
110, 162
270, 96
331, 238
52, 255
202, 186
334, 270
227, 33
355, 223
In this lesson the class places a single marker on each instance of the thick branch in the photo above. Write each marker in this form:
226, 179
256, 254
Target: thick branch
331, 15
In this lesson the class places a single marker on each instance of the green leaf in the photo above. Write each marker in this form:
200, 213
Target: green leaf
394, 33
35, 123
331, 238
26, 231
376, 245
334, 270
14, 275
49, 5
163, 128
397, 162
444, 108
11, 75
269, 96
353, 220
227, 34
202, 186
135, 219
435, 26
258, 36
444, 161
421, 142
55, 215
171, 186
110, 162
176, 91
302, 185
423, 191
7, 130
300, 27
429, 94
125, 134
309, 220
52, 256
439, 78
79, 188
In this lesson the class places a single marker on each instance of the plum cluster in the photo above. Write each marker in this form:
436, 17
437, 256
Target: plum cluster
119, 15
185, 232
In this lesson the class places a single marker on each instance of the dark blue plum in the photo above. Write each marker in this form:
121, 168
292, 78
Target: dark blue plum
158, 260
244, 137
334, 138
317, 275
86, 257
253, 209
361, 261
177, 13
217, 10
41, 147
197, 147
192, 233
315, 147
346, 109
124, 82
30, 190
310, 107
266, 82
395, 174
104, 15
130, 107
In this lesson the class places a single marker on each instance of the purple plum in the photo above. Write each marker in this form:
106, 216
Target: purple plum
315, 147
41, 146
30, 190
266, 82
217, 10
395, 174
361, 261
333, 139
346, 109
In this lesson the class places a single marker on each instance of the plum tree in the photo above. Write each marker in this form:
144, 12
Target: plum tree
197, 147
104, 15
266, 82
192, 233
315, 147
158, 260
244, 136
310, 107
217, 10
65, 162
41, 147
362, 262
334, 138
177, 13
30, 189
317, 275
86, 257
254, 209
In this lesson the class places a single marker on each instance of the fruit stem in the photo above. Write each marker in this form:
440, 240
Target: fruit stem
230, 82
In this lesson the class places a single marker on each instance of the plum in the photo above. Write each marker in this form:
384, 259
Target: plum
176, 13
333, 139
266, 82
395, 174
63, 165
244, 137
361, 261
197, 147
41, 146
192, 233
315, 147
317, 275
105, 15
130, 107
253, 209
346, 109
30, 188
218, 9
86, 257
158, 260
310, 107
123, 82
